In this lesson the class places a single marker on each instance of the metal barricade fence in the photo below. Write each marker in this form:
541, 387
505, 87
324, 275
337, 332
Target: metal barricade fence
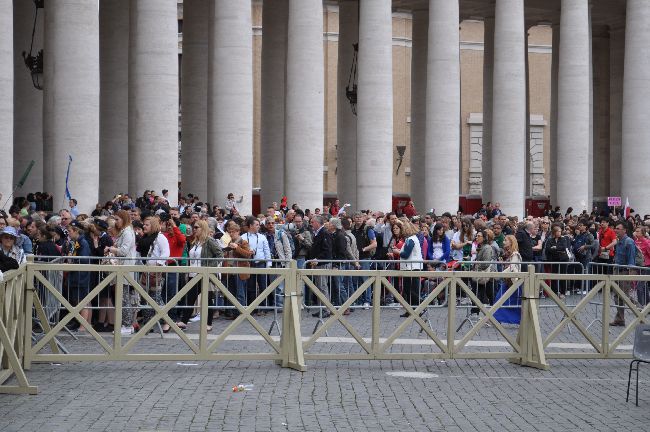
638, 291
12, 325
74, 285
237, 289
348, 275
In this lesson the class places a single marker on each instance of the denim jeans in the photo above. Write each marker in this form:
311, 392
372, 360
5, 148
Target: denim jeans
346, 286
256, 284
279, 295
300, 263
241, 288
366, 297
171, 288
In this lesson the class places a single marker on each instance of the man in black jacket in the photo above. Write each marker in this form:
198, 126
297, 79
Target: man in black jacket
320, 256
525, 242
340, 252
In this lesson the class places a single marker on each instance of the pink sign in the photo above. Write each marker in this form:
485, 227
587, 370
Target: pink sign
613, 201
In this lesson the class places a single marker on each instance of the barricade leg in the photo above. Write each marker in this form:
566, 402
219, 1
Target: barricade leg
529, 337
291, 338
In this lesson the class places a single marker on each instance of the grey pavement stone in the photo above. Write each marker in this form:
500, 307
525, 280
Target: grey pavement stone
332, 395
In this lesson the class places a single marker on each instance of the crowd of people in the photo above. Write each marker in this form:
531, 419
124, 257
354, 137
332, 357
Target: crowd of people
148, 230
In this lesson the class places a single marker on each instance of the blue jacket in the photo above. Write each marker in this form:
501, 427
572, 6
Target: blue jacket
446, 249
625, 252
80, 279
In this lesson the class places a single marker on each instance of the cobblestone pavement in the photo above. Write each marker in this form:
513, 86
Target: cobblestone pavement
330, 396
456, 395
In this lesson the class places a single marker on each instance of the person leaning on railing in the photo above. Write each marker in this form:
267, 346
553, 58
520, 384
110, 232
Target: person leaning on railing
8, 238
236, 283
643, 244
125, 247
510, 313
484, 257
45, 245
624, 258
78, 283
154, 248
410, 256
204, 251
555, 251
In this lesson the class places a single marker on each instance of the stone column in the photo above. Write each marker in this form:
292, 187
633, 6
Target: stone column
527, 165
488, 100
509, 107
274, 60
555, 60
230, 103
419, 107
305, 116
6, 99
573, 148
617, 61
346, 134
194, 102
601, 116
442, 151
71, 101
635, 176
153, 97
375, 106
114, 100
28, 101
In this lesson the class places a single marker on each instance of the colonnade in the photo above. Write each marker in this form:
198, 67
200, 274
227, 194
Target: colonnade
111, 101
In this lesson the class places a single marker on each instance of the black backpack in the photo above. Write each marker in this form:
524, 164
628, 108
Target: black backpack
7, 263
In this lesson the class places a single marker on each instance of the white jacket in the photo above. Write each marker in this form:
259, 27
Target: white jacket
159, 250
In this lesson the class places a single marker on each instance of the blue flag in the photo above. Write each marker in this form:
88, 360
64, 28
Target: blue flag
67, 177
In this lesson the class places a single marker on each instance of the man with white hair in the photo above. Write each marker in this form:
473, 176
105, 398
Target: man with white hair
320, 256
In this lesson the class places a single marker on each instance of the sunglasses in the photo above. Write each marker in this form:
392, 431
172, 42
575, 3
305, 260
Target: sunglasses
196, 227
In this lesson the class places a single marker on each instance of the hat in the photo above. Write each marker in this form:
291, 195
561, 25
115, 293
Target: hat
101, 224
10, 231
164, 217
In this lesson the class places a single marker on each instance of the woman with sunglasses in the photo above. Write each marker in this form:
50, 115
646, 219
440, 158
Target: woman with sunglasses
204, 251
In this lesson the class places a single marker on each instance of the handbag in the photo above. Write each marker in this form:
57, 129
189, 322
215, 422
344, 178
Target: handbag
151, 280
244, 276
483, 280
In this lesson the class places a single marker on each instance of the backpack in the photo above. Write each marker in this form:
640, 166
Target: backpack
7, 263
639, 259
291, 242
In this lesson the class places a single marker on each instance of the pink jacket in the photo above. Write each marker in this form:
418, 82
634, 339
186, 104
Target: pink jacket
644, 244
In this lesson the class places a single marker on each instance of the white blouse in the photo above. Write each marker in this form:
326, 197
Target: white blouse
195, 257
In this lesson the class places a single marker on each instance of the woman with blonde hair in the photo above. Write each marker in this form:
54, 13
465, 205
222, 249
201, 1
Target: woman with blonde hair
236, 248
410, 256
204, 251
510, 312
154, 249
125, 247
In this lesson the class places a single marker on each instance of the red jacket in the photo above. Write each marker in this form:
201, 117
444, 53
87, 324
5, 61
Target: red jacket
606, 238
176, 243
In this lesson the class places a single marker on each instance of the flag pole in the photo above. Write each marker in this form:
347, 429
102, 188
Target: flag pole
20, 183
66, 194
